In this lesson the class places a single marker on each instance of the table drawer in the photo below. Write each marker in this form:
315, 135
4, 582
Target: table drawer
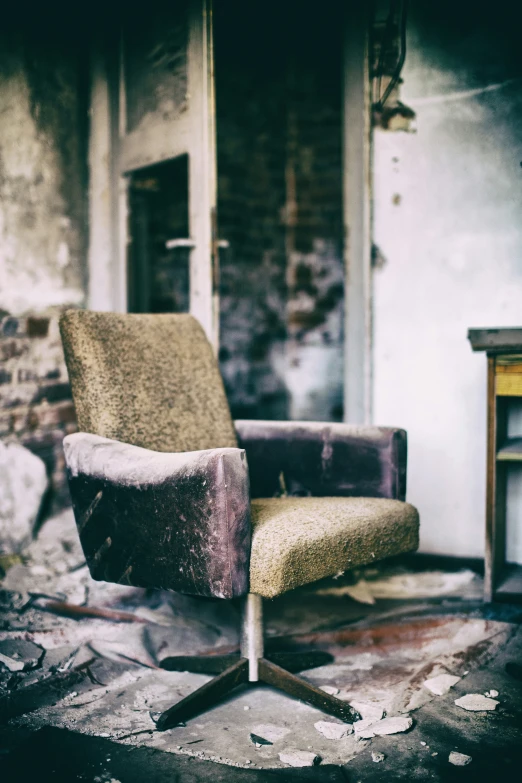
508, 376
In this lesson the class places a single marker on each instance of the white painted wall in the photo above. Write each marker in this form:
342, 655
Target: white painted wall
448, 220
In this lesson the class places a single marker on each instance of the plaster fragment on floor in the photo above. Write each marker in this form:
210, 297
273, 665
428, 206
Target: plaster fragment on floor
368, 710
459, 759
395, 725
362, 728
333, 731
441, 684
425, 584
11, 663
299, 758
360, 592
476, 702
20, 654
259, 741
377, 757
492, 694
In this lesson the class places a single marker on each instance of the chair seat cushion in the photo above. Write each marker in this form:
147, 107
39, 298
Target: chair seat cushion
297, 540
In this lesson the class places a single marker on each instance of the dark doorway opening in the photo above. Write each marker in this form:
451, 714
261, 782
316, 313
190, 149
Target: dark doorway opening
159, 250
279, 159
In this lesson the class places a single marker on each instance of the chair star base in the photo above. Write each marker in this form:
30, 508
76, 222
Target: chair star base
233, 670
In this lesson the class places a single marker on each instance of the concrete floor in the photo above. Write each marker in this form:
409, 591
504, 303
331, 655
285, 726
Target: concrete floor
492, 739
420, 622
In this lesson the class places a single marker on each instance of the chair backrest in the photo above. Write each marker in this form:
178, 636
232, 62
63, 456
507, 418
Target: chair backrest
148, 380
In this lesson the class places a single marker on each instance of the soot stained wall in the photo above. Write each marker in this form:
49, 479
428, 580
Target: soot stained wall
43, 231
278, 91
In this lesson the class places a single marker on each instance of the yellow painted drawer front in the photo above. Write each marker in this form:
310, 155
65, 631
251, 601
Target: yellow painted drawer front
508, 372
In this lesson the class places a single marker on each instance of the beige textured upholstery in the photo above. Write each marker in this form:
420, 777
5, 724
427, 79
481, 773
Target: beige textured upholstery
148, 380
299, 540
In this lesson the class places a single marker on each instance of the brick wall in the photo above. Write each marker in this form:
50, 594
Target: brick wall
279, 144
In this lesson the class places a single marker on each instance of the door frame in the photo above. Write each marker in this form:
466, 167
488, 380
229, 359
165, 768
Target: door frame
357, 216
108, 198
114, 154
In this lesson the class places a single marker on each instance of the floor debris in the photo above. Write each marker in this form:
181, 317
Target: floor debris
20, 655
476, 702
118, 651
394, 725
361, 591
425, 584
459, 759
271, 732
492, 694
48, 691
333, 731
368, 710
99, 675
377, 757
7, 561
11, 663
80, 612
362, 728
258, 740
299, 758
441, 684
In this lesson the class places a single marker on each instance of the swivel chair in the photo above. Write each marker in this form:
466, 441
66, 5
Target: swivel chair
168, 492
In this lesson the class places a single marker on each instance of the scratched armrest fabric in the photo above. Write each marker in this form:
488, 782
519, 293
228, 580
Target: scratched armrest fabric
163, 520
323, 459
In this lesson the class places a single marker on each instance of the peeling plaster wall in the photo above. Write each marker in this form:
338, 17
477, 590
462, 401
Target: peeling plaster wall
42, 204
448, 205
43, 228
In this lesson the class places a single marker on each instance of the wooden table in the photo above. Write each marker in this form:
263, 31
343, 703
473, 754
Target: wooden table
503, 347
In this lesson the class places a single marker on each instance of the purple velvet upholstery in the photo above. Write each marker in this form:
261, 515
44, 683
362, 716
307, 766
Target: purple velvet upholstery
182, 521
151, 519
321, 459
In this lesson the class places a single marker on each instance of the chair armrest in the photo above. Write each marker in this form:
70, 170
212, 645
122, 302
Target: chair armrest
316, 458
174, 521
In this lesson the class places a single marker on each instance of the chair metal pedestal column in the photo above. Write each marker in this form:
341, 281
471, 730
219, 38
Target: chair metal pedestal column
251, 667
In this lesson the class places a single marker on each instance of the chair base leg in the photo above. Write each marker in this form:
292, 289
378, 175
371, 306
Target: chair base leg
274, 675
209, 694
236, 674
215, 664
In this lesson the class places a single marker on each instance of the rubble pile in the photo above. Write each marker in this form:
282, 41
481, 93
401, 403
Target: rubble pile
86, 656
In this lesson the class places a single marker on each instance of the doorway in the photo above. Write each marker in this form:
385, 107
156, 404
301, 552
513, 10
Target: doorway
279, 120
279, 128
159, 252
